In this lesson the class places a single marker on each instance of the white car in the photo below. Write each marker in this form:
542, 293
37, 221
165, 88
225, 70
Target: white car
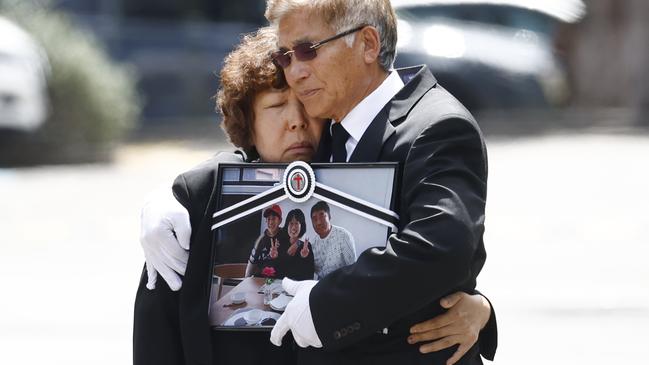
490, 54
24, 68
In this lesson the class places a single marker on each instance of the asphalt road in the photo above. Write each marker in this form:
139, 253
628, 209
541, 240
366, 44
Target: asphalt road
567, 240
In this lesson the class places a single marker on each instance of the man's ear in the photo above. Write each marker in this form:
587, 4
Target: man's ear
371, 40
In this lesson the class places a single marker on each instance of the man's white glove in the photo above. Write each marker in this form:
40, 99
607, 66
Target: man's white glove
164, 234
297, 316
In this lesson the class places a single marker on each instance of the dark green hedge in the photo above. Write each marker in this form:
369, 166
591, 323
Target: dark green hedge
93, 100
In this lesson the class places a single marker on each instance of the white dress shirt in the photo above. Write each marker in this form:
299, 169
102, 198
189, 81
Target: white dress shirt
359, 119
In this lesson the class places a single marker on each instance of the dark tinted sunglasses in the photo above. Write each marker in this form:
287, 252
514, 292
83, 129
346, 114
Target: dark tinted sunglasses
305, 51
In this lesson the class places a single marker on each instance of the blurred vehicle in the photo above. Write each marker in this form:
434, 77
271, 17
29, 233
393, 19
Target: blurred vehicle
490, 54
23, 79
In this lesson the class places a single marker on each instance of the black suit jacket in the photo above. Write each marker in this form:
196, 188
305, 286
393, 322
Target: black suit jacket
439, 247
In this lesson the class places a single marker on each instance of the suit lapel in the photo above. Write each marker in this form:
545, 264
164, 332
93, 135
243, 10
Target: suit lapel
368, 148
417, 81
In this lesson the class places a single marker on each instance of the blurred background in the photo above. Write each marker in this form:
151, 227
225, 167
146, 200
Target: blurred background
101, 101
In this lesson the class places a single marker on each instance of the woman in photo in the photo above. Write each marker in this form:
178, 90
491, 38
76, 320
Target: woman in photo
299, 254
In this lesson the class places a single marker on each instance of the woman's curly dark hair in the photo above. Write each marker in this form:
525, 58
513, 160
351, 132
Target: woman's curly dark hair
247, 71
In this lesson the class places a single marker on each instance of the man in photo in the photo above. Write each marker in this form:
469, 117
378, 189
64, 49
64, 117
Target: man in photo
333, 246
265, 259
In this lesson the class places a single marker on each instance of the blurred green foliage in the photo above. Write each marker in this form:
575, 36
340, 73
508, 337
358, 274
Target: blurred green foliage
93, 100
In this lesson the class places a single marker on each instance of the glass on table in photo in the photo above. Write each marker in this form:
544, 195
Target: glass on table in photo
268, 291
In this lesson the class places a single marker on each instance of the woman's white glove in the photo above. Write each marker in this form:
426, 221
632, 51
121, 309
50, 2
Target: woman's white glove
165, 231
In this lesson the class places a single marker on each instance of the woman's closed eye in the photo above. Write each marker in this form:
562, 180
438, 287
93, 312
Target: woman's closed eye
278, 104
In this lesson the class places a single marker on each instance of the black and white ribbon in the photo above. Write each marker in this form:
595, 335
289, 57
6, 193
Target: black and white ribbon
315, 189
255, 203
357, 206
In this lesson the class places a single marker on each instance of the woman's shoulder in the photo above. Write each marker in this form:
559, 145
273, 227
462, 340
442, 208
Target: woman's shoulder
213, 162
205, 173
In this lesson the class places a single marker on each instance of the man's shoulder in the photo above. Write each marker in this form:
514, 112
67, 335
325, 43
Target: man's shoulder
437, 104
263, 237
424, 100
434, 110
339, 231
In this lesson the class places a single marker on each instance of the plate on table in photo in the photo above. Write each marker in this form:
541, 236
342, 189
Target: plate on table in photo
280, 303
238, 298
250, 317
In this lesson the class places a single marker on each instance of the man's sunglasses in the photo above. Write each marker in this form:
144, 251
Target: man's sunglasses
305, 51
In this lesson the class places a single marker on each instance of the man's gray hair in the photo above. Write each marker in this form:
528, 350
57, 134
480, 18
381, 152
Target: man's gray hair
342, 15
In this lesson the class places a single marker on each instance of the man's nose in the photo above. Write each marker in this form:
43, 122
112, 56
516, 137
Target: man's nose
296, 71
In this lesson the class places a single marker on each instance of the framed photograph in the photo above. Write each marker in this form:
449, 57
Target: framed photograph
298, 221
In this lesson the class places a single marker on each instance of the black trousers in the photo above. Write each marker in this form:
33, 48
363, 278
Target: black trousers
254, 348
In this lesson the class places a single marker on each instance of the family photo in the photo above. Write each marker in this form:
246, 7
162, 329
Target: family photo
296, 240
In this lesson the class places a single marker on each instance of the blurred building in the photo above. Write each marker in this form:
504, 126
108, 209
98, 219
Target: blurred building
177, 46
608, 56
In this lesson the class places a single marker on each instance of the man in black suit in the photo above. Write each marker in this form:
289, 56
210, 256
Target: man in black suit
337, 56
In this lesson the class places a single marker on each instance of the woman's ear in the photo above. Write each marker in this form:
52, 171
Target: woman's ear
371, 44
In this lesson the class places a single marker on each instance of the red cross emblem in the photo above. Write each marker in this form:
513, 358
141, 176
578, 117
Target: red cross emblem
296, 181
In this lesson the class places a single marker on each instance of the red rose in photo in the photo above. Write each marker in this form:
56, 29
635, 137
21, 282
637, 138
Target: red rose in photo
268, 272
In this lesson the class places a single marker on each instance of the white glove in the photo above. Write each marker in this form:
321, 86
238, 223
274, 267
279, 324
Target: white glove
164, 234
297, 316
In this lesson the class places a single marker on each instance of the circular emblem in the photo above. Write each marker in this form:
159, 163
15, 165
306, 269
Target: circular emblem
299, 181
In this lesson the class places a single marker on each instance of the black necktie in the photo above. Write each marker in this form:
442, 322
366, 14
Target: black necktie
338, 139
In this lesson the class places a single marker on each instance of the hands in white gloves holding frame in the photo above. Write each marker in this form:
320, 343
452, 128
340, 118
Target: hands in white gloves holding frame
164, 234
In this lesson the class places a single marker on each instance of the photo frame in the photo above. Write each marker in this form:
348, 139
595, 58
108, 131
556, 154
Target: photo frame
299, 221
